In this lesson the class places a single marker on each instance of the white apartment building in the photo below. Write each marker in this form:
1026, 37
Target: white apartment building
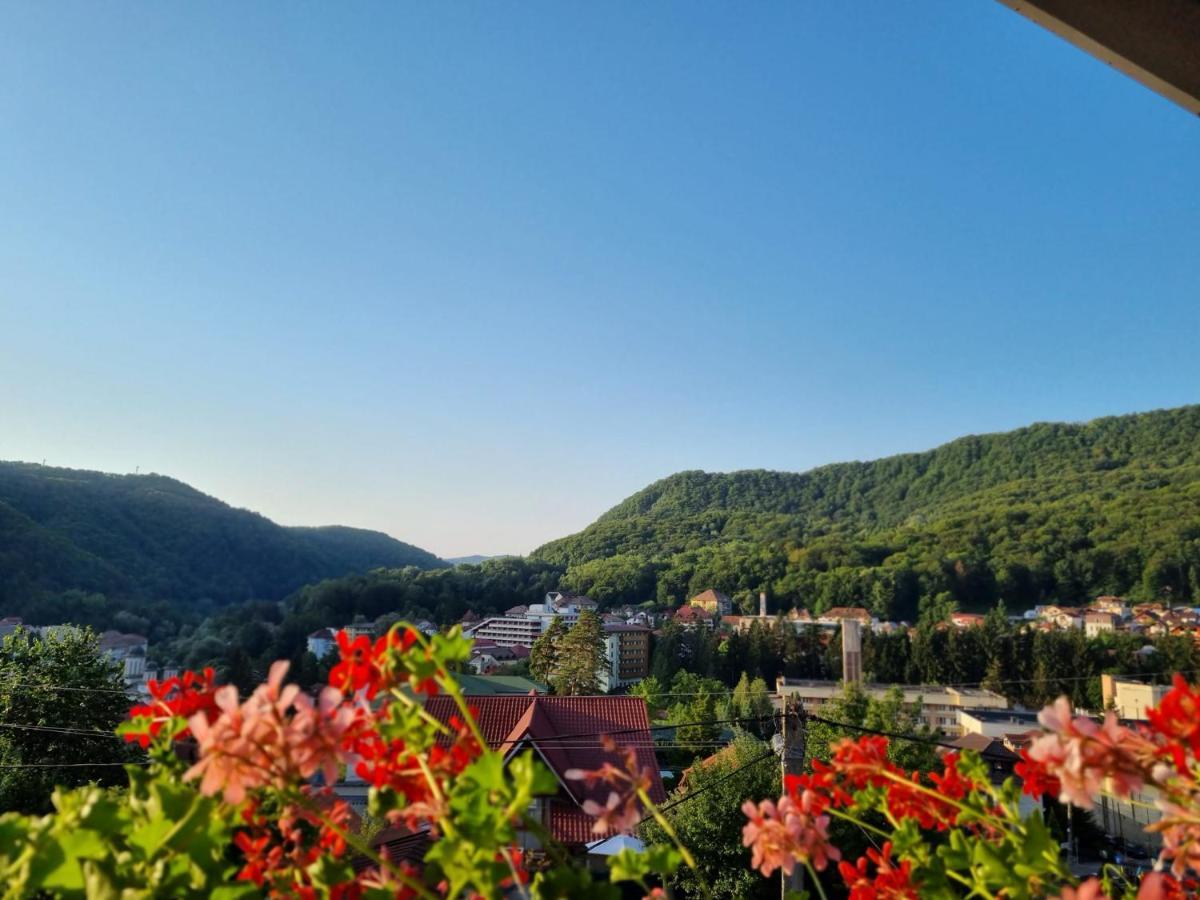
508, 631
940, 706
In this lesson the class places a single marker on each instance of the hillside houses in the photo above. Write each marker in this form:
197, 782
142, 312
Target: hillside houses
1112, 614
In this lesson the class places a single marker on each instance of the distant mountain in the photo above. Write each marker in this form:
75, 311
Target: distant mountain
152, 537
1062, 510
474, 560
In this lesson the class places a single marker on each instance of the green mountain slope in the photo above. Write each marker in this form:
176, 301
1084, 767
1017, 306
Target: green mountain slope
152, 537
1052, 510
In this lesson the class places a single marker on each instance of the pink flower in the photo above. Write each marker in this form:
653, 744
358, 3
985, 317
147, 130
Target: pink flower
781, 835
276, 737
618, 814
1180, 831
1082, 754
1092, 889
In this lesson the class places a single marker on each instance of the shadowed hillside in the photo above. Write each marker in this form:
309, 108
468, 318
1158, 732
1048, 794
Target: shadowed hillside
152, 537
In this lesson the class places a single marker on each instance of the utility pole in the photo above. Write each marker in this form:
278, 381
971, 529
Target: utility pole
791, 754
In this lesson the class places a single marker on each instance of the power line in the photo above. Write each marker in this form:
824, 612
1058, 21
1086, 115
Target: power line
52, 729
71, 765
638, 730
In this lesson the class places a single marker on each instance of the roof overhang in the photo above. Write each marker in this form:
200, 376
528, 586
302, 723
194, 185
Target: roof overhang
1155, 42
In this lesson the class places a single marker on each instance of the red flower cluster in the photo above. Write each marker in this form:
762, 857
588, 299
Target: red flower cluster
1177, 719
858, 765
1036, 780
278, 850
175, 698
890, 882
371, 667
394, 765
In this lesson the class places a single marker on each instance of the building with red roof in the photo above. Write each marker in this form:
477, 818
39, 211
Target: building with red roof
693, 617
565, 733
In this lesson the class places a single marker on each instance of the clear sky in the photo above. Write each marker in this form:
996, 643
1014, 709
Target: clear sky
471, 273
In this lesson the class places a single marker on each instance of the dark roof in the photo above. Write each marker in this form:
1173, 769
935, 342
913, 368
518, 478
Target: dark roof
397, 844
1015, 716
991, 749
111, 640
511, 722
612, 627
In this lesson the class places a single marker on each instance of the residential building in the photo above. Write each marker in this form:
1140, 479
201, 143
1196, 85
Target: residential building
627, 651
1110, 604
9, 624
487, 656
359, 628
714, 603
1097, 623
692, 617
996, 723
513, 724
1130, 698
940, 706
578, 601
967, 620
507, 631
130, 651
545, 613
837, 614
321, 642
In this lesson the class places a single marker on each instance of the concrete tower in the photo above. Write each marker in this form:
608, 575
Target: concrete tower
851, 650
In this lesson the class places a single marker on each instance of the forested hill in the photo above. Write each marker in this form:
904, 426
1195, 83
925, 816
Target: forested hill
152, 537
1049, 510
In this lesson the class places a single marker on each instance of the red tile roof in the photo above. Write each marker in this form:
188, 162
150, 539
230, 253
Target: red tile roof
566, 731
692, 613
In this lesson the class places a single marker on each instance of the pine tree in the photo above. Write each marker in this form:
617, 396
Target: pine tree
543, 656
580, 657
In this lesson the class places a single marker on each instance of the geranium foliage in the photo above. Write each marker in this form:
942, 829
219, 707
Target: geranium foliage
232, 799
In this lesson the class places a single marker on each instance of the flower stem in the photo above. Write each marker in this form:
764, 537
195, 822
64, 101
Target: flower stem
812, 873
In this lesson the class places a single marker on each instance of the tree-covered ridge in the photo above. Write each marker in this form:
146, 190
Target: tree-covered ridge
1049, 511
149, 536
885, 491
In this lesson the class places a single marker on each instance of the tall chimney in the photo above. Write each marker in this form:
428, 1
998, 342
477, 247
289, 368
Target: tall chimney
762, 603
851, 650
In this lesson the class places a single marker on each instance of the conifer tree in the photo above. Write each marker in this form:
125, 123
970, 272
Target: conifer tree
580, 657
543, 655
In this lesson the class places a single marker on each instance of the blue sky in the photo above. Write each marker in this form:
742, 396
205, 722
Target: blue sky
472, 273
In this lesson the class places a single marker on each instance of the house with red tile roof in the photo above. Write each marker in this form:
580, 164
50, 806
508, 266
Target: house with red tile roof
967, 620
564, 733
693, 617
